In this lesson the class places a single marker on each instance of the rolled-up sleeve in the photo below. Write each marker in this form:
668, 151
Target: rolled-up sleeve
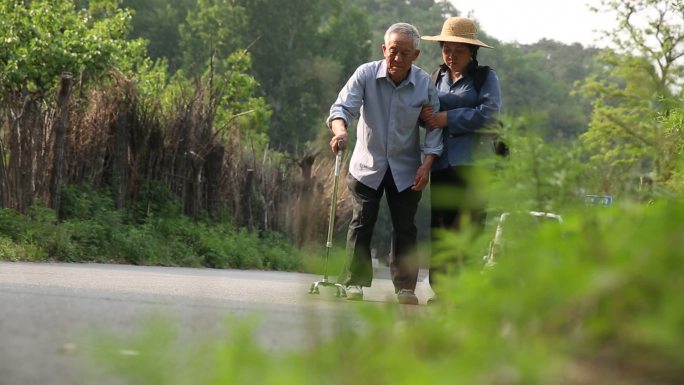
349, 100
433, 144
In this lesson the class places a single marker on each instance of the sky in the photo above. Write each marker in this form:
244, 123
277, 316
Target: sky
528, 21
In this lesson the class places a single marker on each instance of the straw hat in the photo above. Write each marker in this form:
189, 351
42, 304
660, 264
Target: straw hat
458, 30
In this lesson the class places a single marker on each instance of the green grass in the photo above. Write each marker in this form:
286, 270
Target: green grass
92, 230
595, 300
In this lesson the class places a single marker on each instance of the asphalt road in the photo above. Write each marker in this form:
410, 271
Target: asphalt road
47, 311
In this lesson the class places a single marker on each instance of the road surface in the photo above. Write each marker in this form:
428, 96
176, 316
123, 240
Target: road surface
48, 310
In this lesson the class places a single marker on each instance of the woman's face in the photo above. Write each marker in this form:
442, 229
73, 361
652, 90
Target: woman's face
456, 56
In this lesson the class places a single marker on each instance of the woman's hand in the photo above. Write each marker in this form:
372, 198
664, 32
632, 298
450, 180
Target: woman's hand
433, 119
427, 115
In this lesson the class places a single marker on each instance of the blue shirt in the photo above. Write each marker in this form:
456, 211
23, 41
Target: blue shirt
469, 115
387, 134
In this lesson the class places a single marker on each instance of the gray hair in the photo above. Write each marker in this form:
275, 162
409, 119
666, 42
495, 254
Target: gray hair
404, 29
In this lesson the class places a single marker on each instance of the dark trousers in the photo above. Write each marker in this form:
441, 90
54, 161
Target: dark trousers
455, 195
366, 205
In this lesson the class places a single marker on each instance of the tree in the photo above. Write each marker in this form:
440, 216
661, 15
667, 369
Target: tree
426, 15
560, 66
642, 83
211, 34
39, 40
653, 29
296, 45
158, 21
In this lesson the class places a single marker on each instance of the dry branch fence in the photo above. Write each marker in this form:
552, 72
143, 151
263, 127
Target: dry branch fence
106, 136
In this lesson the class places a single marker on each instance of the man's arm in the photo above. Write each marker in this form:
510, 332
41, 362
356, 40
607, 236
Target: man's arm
433, 146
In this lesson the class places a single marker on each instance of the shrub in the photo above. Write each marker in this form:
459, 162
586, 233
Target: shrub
93, 230
593, 300
12, 224
12, 251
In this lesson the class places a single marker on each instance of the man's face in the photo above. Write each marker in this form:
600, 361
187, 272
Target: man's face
399, 55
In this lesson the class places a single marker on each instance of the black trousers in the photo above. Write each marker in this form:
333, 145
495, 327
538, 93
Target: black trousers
455, 196
366, 205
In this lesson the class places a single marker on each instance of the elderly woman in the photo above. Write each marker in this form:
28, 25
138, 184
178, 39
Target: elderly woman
470, 99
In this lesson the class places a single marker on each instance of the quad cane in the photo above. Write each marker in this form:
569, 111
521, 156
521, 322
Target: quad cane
341, 292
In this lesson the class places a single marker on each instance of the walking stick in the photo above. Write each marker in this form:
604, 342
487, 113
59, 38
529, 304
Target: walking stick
341, 292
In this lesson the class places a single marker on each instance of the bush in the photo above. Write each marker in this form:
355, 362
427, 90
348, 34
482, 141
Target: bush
594, 300
92, 230
12, 224
12, 251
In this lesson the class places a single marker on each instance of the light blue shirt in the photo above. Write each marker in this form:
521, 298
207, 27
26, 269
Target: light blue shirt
387, 134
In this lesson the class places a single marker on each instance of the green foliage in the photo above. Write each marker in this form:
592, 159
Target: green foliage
654, 30
340, 45
152, 232
12, 224
673, 167
306, 40
640, 85
13, 227
154, 200
591, 300
317, 45
238, 104
426, 15
225, 93
158, 21
39, 40
84, 202
537, 176
146, 245
538, 79
210, 34
13, 251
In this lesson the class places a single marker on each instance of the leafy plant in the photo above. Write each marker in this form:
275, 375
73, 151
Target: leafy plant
572, 303
39, 40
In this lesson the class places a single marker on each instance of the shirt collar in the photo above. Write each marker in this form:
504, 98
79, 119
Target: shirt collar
382, 73
469, 72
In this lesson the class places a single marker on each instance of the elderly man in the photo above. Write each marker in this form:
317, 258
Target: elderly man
388, 95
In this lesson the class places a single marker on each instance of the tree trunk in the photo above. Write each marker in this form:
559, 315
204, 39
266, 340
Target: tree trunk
246, 200
213, 171
60, 143
21, 156
120, 161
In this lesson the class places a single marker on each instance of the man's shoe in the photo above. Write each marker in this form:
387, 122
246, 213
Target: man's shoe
354, 293
407, 297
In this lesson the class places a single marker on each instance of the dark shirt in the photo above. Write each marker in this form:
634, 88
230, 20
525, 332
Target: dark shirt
469, 115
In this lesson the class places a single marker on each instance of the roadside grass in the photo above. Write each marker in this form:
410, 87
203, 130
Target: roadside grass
594, 300
92, 230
